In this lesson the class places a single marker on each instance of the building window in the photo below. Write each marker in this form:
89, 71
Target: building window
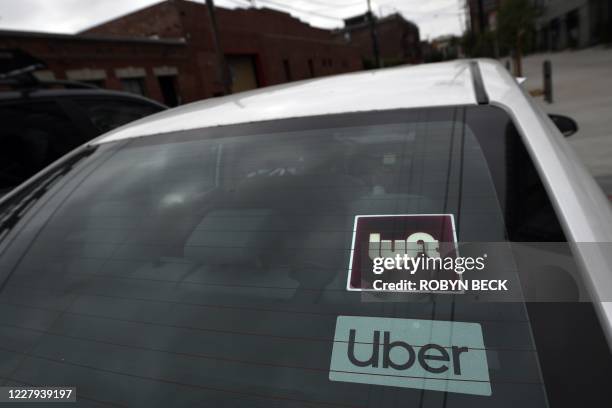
287, 68
92, 76
167, 84
243, 70
311, 68
133, 85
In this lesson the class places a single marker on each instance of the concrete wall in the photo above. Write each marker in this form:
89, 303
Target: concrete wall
558, 9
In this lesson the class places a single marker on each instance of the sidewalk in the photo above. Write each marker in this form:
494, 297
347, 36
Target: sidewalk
582, 89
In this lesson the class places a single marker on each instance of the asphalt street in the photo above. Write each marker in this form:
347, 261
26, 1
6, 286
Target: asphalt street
582, 89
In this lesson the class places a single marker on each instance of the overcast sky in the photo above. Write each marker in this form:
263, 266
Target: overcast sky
434, 17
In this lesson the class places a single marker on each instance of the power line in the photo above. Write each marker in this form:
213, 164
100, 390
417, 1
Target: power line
449, 10
288, 7
413, 11
327, 5
238, 3
298, 10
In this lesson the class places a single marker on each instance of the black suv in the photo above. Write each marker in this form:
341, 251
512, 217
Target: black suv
40, 124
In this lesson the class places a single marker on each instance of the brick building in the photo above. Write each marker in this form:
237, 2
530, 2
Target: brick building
398, 39
166, 51
135, 64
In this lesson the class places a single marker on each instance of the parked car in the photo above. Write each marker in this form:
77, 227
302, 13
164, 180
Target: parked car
41, 123
206, 256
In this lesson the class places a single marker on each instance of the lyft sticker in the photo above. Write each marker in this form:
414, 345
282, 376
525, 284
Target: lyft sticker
395, 250
409, 353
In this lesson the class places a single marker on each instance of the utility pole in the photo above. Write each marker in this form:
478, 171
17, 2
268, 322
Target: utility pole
224, 74
374, 36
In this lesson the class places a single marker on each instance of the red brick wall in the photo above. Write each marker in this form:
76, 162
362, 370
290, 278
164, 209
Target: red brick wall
269, 36
161, 19
272, 21
397, 40
63, 54
327, 59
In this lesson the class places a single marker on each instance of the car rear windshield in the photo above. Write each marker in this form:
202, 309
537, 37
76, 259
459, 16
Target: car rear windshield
209, 267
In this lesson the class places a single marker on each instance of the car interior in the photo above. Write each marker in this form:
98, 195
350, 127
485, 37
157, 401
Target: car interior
223, 261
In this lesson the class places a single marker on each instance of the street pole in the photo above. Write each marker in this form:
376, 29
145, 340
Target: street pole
481, 17
224, 74
374, 36
548, 91
518, 57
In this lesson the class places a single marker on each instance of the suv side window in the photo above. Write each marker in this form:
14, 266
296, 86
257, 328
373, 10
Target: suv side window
107, 114
33, 135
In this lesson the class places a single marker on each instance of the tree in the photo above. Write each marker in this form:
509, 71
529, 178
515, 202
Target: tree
515, 27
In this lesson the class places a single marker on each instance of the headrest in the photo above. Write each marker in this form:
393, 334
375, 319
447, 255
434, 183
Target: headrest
234, 236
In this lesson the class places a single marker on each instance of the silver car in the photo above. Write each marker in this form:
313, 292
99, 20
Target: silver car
223, 253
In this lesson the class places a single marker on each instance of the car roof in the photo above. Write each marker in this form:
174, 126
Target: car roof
59, 93
428, 85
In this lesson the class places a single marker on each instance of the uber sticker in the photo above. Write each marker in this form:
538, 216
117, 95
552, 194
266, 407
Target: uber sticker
400, 239
423, 354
